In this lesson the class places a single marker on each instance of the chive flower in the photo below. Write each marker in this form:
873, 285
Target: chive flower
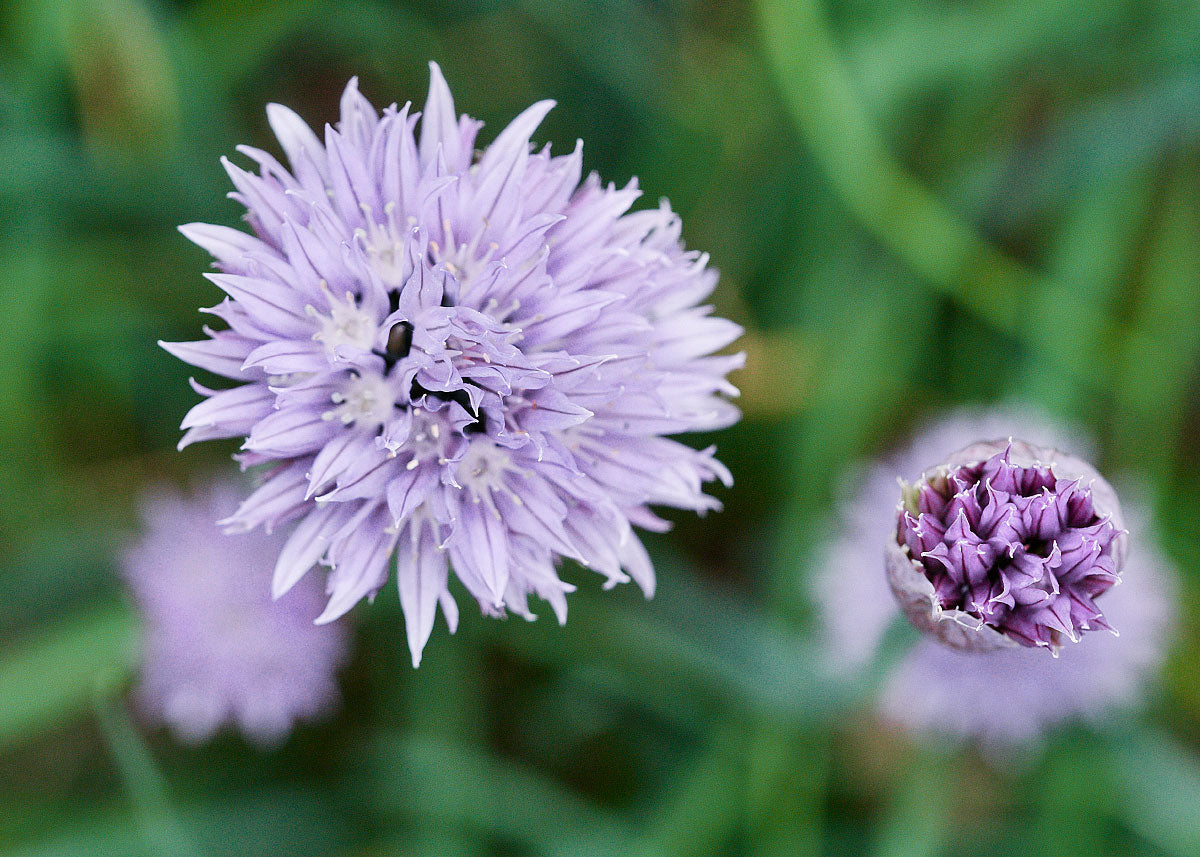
1008, 699
216, 649
455, 358
1007, 543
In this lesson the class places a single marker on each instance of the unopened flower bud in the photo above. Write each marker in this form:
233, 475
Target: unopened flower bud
1006, 544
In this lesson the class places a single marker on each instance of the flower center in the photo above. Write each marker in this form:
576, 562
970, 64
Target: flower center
386, 244
483, 466
462, 261
346, 324
367, 401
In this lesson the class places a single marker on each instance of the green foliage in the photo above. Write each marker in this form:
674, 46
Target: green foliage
913, 203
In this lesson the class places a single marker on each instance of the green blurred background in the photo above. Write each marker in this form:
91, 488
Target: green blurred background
913, 204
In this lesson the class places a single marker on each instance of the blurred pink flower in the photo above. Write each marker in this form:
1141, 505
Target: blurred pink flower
217, 650
1008, 698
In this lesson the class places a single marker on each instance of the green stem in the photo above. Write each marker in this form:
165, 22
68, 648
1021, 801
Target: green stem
161, 827
901, 212
701, 813
56, 674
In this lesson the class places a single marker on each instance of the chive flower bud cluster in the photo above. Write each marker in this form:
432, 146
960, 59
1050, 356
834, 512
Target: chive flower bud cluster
1007, 544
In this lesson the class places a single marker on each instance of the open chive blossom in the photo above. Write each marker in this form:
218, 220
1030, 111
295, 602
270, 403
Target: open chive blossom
216, 649
1007, 543
466, 360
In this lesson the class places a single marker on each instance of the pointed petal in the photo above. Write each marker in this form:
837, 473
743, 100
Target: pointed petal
421, 575
439, 125
307, 544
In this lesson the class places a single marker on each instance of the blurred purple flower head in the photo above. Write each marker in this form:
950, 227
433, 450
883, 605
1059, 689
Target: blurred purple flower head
462, 359
1006, 542
217, 650
1009, 697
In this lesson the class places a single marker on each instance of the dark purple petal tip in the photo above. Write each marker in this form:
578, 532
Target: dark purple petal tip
1007, 544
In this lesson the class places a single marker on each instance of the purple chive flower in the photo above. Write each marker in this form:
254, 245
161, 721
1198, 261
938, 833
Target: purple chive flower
461, 359
217, 649
1006, 543
1008, 698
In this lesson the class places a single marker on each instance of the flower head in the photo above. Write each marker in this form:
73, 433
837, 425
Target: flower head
462, 359
1006, 542
216, 649
1009, 697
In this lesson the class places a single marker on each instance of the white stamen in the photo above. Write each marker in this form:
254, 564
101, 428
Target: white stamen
346, 324
366, 400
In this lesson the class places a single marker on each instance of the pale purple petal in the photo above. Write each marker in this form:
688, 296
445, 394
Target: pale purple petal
217, 650
463, 358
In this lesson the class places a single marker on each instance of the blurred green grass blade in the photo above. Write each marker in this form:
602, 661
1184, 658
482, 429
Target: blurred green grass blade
370, 35
32, 596
873, 346
446, 699
893, 205
710, 650
1093, 254
164, 833
617, 41
281, 821
467, 788
921, 47
26, 433
1159, 797
55, 673
247, 32
1157, 359
1070, 813
1092, 145
704, 806
918, 822
817, 91
115, 837
124, 79
432, 839
788, 772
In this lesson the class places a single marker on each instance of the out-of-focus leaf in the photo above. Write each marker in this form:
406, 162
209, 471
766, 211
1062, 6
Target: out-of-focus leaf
1162, 337
902, 213
918, 822
56, 671
1159, 797
697, 646
1084, 152
280, 821
1093, 255
248, 30
873, 347
1073, 813
60, 567
788, 771
164, 833
919, 48
618, 41
113, 837
374, 34
123, 77
27, 464
459, 785
703, 807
